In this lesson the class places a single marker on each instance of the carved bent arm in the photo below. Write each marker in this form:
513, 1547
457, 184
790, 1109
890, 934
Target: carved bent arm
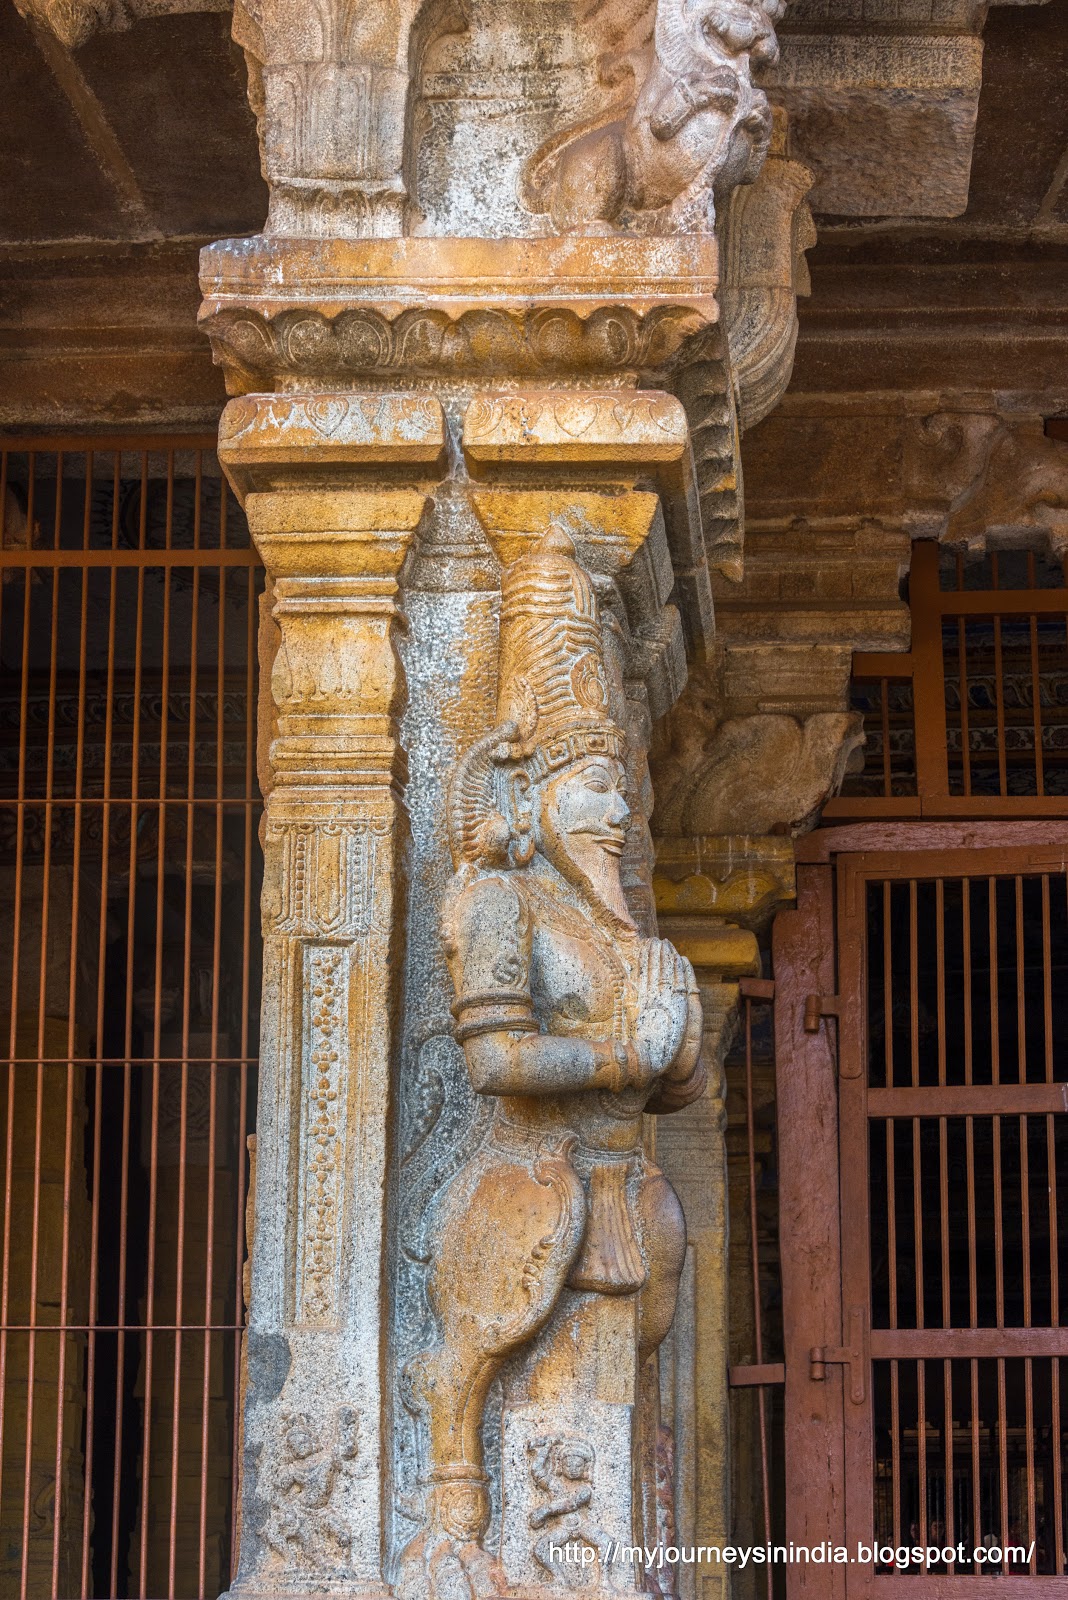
488, 940
510, 1061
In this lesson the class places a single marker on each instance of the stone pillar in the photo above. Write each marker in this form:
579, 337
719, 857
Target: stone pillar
711, 894
333, 901
464, 335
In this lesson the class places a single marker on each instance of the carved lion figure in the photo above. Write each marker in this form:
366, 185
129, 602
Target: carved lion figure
696, 123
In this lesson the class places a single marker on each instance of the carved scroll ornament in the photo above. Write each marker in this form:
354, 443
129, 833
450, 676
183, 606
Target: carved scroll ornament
574, 1024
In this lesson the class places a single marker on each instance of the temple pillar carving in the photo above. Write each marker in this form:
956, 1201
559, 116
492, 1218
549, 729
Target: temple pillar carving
333, 544
485, 430
715, 896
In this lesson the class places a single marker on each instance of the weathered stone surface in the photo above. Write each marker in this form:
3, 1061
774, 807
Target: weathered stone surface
864, 107
883, 97
298, 312
571, 1022
767, 229
75, 21
332, 916
801, 763
1020, 496
693, 122
741, 878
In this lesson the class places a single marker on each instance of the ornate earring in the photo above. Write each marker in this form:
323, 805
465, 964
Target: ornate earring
523, 847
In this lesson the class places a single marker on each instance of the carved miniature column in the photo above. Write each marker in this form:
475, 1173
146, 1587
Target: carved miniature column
711, 894
333, 919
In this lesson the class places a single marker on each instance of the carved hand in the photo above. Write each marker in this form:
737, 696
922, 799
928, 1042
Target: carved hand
689, 1051
664, 985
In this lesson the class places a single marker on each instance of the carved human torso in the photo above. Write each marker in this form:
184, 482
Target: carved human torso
532, 955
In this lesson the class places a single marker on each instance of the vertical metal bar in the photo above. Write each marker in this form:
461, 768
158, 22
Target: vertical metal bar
888, 988
943, 1180
127, 1068
153, 1172
1055, 1291
969, 1135
999, 1249
101, 977
187, 952
16, 957
1058, 1468
928, 677
891, 1211
884, 705
38, 1133
895, 1376
999, 705
1036, 694
72, 1013
917, 1203
1029, 1397
57, 509
754, 1265
1047, 982
965, 732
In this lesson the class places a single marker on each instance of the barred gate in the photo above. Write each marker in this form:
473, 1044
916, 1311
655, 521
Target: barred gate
129, 965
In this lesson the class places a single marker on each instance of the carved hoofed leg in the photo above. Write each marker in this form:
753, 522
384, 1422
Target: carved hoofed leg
509, 1231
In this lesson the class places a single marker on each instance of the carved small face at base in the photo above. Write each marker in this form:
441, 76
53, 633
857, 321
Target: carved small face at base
300, 1440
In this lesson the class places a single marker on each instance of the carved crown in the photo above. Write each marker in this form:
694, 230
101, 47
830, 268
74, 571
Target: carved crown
552, 698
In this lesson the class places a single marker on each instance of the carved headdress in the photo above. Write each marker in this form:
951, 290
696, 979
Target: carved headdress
552, 700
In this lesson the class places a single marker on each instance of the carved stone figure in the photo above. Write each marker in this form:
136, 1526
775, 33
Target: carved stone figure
696, 122
575, 1024
562, 1473
300, 1488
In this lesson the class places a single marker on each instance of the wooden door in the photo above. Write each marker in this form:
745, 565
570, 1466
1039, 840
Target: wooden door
922, 1043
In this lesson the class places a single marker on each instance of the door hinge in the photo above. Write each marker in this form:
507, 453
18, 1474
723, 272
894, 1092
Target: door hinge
854, 1356
818, 1006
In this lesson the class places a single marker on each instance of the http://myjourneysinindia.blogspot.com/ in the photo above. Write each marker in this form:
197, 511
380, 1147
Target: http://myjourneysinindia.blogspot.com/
900, 1557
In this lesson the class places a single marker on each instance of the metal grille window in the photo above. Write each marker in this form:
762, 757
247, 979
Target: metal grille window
129, 964
974, 720
926, 1278
966, 1009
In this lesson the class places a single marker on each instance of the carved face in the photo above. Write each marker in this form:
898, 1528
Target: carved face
740, 25
578, 821
300, 1441
583, 809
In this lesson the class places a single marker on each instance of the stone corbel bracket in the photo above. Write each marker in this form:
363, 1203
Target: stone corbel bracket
465, 316
767, 229
614, 469
740, 879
